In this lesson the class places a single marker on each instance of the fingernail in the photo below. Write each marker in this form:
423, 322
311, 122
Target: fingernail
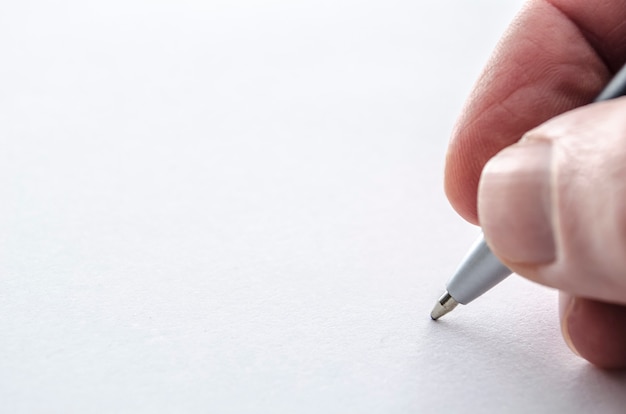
566, 306
514, 205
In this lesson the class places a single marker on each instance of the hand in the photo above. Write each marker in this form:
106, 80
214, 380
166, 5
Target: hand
551, 198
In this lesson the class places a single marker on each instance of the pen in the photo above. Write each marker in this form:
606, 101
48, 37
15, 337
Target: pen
481, 270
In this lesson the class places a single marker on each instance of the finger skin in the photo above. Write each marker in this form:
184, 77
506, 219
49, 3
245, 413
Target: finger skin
579, 195
594, 330
586, 204
557, 55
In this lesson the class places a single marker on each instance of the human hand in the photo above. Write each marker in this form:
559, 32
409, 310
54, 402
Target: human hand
553, 205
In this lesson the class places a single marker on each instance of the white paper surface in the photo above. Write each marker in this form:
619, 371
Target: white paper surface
237, 207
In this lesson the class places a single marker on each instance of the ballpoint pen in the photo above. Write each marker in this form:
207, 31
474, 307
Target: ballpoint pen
481, 270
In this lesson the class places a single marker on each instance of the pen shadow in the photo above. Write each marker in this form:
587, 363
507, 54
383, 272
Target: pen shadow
536, 366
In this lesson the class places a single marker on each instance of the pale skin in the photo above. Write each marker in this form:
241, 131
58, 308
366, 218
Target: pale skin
545, 181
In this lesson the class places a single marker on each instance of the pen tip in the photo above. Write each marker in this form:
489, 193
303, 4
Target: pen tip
444, 305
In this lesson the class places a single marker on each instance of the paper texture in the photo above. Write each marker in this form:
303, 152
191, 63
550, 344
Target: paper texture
237, 207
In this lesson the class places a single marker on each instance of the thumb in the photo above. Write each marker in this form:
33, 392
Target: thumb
553, 209
553, 206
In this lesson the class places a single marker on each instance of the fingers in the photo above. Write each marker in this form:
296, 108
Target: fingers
594, 330
553, 206
555, 56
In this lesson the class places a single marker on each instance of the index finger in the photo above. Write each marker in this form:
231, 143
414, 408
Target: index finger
555, 56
